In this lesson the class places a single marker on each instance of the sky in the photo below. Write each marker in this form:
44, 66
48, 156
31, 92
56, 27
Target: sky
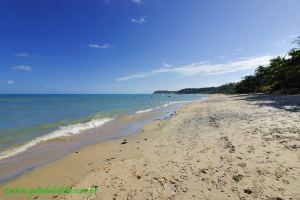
138, 46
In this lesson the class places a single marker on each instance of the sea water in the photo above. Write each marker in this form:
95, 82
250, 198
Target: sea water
30, 120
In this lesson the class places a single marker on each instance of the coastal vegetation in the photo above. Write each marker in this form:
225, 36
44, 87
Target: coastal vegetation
164, 92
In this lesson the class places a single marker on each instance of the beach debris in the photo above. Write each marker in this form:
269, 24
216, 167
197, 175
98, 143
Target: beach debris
237, 177
145, 139
203, 171
94, 186
76, 151
232, 149
248, 191
242, 164
35, 197
228, 144
278, 198
251, 149
285, 181
54, 197
124, 142
212, 121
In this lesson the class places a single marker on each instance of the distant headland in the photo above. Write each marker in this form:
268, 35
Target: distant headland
227, 88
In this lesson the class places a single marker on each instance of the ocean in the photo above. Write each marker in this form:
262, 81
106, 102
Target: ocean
28, 122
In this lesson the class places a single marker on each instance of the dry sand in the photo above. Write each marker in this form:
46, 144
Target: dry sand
227, 147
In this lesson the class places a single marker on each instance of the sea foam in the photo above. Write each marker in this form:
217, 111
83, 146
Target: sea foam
144, 111
163, 106
63, 131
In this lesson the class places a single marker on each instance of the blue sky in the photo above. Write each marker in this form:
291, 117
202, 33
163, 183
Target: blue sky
137, 46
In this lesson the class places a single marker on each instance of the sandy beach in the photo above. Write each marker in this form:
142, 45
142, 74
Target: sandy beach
226, 147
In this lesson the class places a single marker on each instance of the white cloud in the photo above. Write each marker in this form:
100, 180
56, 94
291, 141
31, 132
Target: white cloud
204, 68
138, 20
137, 1
99, 46
166, 65
134, 76
22, 68
22, 54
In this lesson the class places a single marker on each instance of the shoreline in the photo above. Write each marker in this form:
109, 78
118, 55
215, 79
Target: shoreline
64, 172
39, 152
225, 147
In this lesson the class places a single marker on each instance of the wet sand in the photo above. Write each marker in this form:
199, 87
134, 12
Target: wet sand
227, 147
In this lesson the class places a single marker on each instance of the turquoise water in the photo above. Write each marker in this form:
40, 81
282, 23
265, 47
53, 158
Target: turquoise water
29, 119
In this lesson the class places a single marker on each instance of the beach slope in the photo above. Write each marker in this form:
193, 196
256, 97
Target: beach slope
227, 147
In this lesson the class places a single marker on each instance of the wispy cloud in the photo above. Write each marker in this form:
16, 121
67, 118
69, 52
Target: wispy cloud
203, 68
25, 55
22, 54
138, 20
100, 46
22, 68
10, 82
137, 1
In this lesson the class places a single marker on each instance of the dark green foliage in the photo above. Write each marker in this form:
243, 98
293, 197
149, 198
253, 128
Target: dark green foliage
229, 88
247, 85
207, 90
164, 92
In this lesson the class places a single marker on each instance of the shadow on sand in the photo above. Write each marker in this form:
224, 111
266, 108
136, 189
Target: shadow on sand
287, 102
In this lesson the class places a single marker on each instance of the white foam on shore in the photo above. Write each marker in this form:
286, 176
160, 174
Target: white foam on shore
144, 111
164, 106
64, 131
175, 102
